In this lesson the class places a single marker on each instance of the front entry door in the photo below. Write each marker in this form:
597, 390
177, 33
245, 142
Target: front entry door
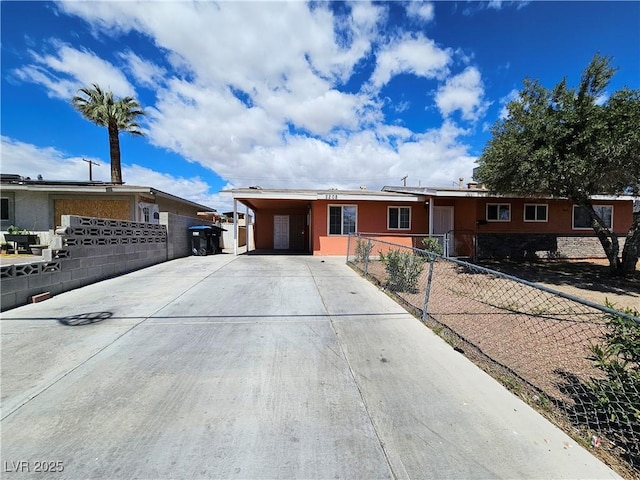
281, 232
442, 225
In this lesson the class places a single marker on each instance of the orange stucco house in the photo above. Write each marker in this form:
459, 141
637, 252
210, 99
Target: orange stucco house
472, 222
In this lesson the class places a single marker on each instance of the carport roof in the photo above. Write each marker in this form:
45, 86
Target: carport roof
261, 197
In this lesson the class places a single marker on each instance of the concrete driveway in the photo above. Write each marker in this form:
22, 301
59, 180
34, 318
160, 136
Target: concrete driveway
256, 367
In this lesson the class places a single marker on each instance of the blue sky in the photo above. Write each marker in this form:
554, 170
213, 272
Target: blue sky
289, 95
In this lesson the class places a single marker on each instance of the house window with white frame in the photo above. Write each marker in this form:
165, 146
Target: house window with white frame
536, 212
498, 212
342, 219
399, 218
582, 219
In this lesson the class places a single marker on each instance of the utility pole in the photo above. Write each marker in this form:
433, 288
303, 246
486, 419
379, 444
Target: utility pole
91, 164
404, 180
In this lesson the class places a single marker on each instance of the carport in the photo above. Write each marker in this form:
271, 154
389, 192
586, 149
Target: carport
282, 220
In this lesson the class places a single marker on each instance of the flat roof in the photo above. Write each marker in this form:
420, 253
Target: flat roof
483, 192
320, 194
93, 188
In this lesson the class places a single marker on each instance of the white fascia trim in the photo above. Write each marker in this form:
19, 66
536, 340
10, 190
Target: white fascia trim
462, 194
336, 196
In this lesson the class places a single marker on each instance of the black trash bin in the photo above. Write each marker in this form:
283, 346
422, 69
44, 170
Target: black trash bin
205, 239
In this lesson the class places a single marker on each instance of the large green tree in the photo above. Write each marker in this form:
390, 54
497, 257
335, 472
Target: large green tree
117, 115
573, 143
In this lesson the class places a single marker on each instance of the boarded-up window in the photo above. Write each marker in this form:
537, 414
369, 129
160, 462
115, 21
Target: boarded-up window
113, 209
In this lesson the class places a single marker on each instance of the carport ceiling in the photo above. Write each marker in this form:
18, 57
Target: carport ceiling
273, 204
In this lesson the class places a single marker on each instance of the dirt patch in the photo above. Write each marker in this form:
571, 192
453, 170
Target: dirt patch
533, 341
586, 279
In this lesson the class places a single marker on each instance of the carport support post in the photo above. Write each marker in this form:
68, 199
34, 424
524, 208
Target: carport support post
432, 259
235, 226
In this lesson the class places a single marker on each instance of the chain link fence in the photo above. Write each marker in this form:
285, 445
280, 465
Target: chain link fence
576, 361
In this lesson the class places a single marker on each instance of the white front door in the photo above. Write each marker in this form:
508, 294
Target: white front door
281, 232
443, 225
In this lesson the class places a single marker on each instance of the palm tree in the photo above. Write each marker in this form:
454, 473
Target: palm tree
118, 115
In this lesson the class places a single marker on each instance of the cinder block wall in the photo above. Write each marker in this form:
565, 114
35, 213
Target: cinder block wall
85, 250
178, 238
495, 245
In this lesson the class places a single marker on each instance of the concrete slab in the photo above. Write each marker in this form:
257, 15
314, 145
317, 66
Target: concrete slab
256, 367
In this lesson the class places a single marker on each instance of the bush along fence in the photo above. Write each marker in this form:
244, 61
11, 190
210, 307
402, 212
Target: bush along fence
577, 362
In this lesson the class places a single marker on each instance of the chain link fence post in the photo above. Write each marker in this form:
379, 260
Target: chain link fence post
432, 259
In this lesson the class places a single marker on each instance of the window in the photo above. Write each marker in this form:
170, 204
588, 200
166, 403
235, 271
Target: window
342, 219
582, 219
399, 218
535, 213
4, 209
145, 214
498, 212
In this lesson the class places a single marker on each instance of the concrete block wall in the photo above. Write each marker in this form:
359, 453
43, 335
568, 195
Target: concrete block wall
178, 239
583, 247
495, 245
84, 251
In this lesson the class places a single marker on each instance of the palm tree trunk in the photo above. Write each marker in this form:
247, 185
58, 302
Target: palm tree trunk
114, 151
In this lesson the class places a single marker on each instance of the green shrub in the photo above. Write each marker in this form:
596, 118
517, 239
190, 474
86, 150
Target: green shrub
403, 270
617, 396
431, 244
363, 250
13, 230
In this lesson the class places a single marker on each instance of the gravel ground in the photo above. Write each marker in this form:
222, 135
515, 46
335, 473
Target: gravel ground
535, 342
516, 331
532, 332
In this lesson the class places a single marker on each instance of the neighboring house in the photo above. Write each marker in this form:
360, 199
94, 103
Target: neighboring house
474, 221
485, 225
37, 205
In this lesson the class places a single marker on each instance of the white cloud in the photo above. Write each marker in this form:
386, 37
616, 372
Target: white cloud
248, 77
194, 189
463, 92
144, 71
68, 69
421, 10
30, 161
412, 54
508, 98
499, 4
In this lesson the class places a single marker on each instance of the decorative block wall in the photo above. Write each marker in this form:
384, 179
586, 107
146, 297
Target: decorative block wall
84, 250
